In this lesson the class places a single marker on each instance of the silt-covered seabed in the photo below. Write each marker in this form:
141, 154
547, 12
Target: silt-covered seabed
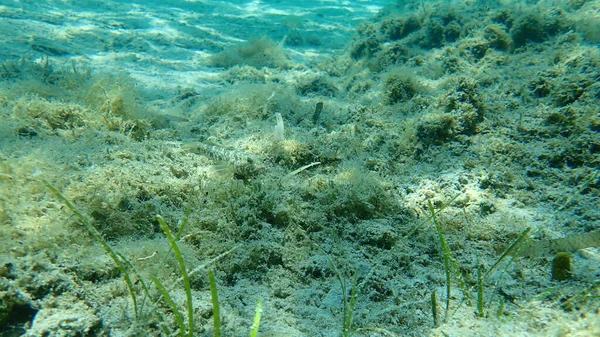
310, 143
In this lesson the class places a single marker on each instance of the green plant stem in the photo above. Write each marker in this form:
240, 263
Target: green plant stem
98, 237
480, 306
256, 323
509, 250
165, 294
434, 311
184, 274
349, 312
446, 255
215, 302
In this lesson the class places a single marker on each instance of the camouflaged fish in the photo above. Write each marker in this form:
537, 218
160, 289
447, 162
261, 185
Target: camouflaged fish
243, 165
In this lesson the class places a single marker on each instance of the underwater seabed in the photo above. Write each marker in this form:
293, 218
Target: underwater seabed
261, 168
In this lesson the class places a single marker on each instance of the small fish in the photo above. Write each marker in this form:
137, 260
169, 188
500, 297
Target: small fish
244, 165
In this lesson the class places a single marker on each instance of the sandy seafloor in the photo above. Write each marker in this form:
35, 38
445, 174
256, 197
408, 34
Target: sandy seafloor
487, 111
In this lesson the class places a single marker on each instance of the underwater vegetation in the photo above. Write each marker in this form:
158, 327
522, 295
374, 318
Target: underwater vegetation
437, 177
